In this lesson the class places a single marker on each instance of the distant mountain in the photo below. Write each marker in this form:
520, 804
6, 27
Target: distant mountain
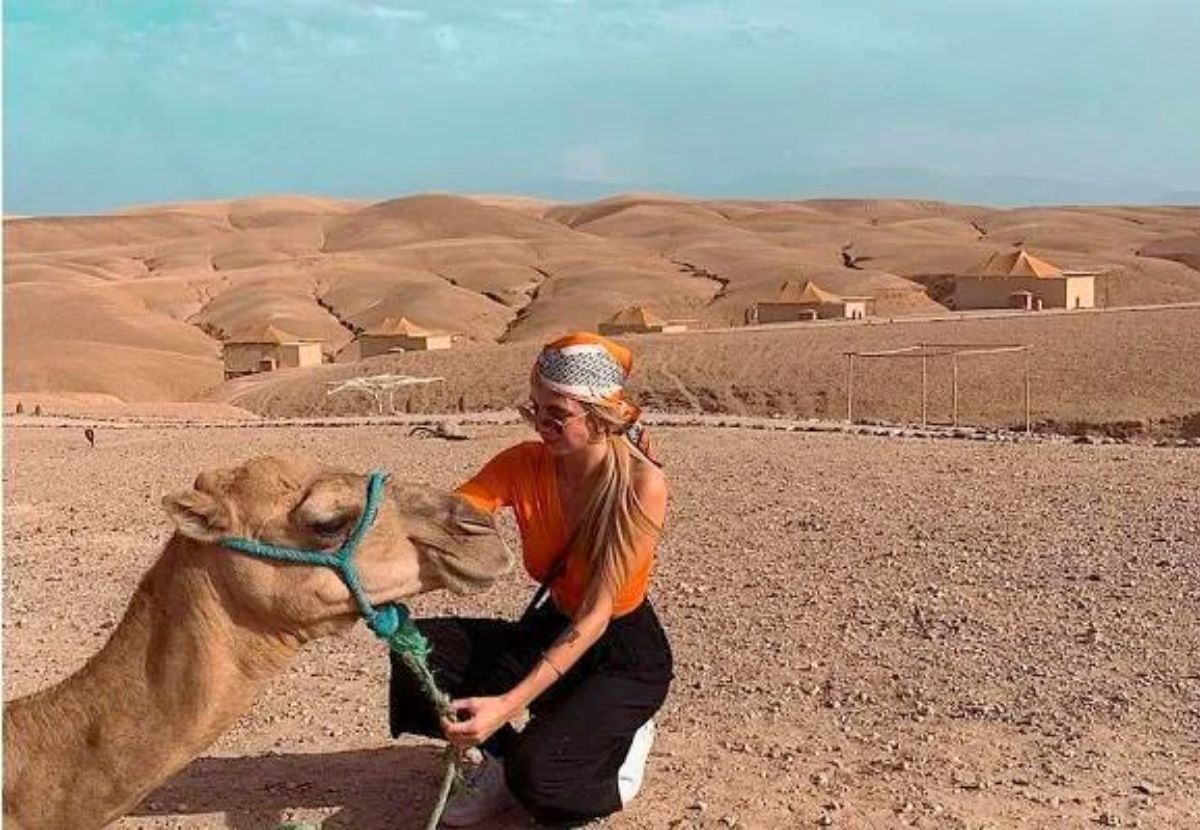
904, 183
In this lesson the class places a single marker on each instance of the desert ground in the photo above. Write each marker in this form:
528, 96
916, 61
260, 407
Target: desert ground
1123, 372
869, 632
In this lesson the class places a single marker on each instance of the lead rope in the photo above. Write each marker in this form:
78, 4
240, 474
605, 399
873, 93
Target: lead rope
394, 625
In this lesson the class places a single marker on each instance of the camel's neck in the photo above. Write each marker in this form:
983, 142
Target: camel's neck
175, 674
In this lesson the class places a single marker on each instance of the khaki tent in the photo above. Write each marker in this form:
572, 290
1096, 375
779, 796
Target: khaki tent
1018, 263
401, 334
810, 293
794, 302
265, 347
637, 319
262, 334
1018, 279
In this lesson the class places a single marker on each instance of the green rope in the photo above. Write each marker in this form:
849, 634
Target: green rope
411, 646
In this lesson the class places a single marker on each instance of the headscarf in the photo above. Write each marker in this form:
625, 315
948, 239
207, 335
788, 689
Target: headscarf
593, 369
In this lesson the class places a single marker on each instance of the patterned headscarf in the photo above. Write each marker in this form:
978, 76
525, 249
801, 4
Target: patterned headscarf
593, 369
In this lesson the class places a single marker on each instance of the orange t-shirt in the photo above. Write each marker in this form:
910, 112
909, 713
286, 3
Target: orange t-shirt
523, 477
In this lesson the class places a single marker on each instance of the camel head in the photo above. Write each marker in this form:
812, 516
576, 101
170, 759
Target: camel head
421, 540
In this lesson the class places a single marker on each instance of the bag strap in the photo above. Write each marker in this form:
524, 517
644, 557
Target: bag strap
543, 590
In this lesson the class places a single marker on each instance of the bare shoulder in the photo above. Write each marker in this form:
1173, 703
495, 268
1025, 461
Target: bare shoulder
650, 484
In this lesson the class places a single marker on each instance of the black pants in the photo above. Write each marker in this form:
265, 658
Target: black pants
563, 766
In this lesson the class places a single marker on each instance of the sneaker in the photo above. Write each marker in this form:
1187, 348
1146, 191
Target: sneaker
482, 794
633, 769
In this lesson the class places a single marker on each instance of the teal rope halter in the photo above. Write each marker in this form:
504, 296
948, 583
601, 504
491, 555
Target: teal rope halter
385, 620
391, 623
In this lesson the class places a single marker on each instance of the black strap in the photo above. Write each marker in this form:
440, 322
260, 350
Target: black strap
539, 596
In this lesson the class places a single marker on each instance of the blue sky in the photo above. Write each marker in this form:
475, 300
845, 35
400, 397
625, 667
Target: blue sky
108, 103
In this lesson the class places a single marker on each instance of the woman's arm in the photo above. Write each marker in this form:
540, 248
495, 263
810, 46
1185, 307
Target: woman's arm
482, 716
585, 629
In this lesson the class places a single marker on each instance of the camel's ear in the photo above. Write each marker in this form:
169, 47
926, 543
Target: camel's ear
198, 515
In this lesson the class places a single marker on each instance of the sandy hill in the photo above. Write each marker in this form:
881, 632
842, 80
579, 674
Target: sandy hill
1109, 370
136, 304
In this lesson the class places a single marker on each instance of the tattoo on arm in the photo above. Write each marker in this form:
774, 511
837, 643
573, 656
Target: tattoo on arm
568, 637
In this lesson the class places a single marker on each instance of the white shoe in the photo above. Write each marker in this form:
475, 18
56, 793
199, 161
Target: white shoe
633, 769
482, 794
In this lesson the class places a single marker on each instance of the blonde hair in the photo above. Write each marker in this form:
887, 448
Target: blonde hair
612, 516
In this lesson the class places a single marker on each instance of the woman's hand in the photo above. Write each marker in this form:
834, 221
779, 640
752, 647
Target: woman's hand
478, 720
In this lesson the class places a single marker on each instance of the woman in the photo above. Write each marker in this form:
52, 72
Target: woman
591, 664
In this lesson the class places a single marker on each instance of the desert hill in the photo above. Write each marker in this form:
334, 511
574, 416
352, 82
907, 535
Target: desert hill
136, 304
1115, 371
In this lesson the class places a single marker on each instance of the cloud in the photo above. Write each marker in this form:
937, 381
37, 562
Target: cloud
591, 163
447, 39
400, 14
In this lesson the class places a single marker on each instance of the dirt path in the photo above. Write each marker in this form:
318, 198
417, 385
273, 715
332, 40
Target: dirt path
868, 632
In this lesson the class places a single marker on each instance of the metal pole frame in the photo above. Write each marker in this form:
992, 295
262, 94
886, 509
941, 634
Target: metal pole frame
924, 389
953, 351
850, 387
1028, 419
954, 383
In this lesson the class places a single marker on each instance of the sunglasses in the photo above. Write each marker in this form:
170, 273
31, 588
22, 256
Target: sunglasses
531, 413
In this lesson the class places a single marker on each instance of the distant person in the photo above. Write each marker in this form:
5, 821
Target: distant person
589, 657
90, 435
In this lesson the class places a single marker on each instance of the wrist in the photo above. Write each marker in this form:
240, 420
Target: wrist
513, 702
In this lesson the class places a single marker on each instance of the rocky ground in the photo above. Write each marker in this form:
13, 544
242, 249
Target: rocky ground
869, 631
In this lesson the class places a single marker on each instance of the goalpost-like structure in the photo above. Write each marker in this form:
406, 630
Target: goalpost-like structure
378, 387
924, 352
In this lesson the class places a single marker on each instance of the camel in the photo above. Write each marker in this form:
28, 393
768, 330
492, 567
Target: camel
208, 627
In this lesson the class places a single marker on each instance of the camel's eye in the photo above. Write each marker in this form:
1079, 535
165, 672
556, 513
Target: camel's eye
330, 526
328, 509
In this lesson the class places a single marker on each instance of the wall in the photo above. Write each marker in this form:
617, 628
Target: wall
627, 328
786, 312
296, 355
993, 292
1081, 292
375, 344
855, 309
243, 358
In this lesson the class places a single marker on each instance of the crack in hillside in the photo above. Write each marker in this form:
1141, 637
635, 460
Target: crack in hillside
206, 296
704, 274
979, 229
319, 299
144, 262
523, 312
850, 259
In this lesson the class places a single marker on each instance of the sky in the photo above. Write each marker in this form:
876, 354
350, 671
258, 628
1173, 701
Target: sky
109, 103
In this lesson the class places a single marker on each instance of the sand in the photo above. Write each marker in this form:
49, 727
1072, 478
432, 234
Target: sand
136, 304
860, 638
1114, 372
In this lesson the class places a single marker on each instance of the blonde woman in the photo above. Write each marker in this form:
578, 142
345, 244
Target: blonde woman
589, 657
